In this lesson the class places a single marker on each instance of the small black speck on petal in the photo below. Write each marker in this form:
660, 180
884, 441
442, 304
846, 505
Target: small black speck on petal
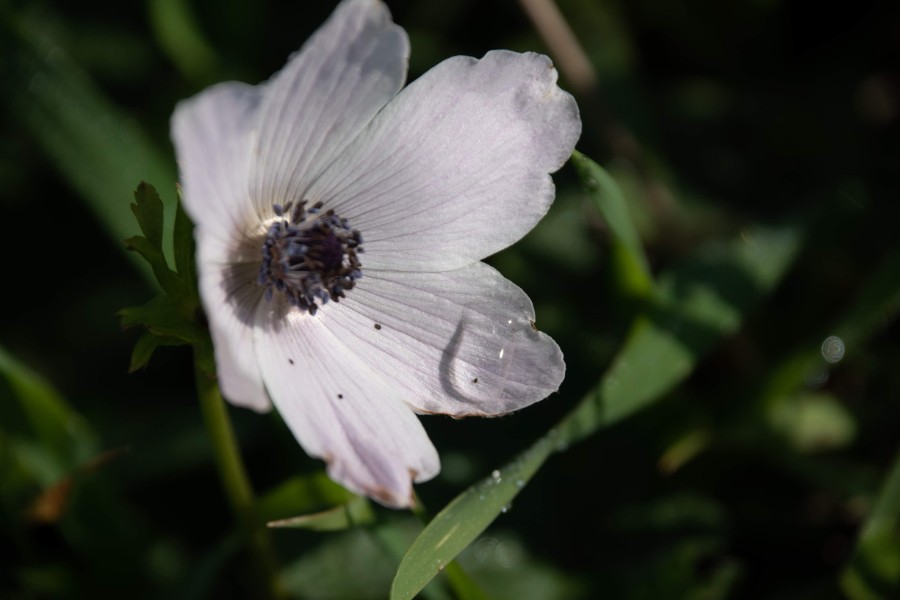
340, 396
291, 360
377, 326
475, 380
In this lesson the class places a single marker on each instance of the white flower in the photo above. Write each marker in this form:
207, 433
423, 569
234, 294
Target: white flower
290, 181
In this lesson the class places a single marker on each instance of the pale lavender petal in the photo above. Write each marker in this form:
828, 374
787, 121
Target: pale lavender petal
213, 136
339, 409
456, 167
458, 342
320, 101
213, 143
230, 299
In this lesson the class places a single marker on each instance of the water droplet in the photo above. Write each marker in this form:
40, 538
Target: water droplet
833, 349
817, 379
506, 508
484, 549
562, 446
481, 496
508, 554
495, 475
520, 483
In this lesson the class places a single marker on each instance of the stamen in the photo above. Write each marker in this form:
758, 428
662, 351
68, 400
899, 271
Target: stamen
309, 261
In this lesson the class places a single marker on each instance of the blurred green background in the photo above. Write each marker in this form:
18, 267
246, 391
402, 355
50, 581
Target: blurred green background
751, 479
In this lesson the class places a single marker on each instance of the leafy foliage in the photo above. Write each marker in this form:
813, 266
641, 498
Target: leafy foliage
741, 220
692, 308
171, 318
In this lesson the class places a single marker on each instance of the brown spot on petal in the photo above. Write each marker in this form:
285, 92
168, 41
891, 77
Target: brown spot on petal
385, 496
377, 326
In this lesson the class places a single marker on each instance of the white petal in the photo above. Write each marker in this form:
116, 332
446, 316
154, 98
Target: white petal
214, 146
456, 166
345, 73
230, 299
457, 342
340, 410
213, 142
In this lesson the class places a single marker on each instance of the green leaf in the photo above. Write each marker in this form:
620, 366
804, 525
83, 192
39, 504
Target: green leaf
65, 438
876, 305
96, 146
179, 36
146, 346
301, 494
148, 209
628, 258
698, 304
461, 521
171, 317
165, 318
874, 569
814, 422
353, 564
183, 246
166, 278
463, 586
356, 511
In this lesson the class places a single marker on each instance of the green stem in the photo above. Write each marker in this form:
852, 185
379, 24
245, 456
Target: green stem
237, 485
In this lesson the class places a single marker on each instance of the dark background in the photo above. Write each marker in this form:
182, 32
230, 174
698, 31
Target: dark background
711, 115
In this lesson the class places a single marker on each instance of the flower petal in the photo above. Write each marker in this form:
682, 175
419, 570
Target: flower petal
213, 143
456, 342
230, 298
339, 409
325, 95
456, 166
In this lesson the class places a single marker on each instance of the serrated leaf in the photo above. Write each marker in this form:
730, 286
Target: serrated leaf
183, 246
169, 318
146, 346
166, 278
148, 209
698, 304
163, 317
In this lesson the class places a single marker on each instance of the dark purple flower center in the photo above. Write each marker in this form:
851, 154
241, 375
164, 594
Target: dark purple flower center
309, 256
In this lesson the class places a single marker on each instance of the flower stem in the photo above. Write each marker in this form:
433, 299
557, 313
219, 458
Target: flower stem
237, 486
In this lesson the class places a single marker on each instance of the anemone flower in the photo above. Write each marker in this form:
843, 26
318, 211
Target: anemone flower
340, 224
